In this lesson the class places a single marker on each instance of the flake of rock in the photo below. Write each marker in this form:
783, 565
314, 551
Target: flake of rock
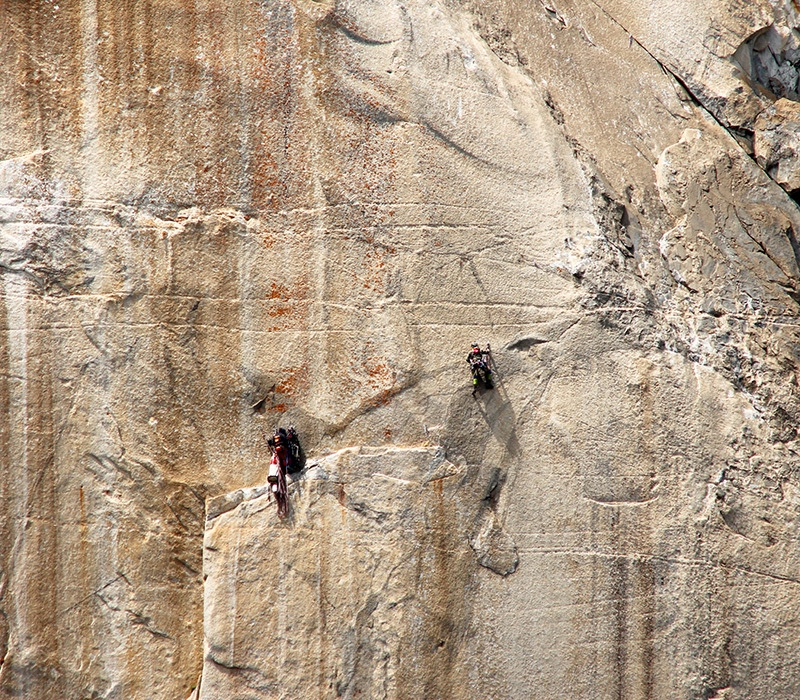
777, 143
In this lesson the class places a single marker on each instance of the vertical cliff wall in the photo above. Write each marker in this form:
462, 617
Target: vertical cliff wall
217, 219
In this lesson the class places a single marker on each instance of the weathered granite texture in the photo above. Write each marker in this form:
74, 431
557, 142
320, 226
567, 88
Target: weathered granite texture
215, 218
365, 590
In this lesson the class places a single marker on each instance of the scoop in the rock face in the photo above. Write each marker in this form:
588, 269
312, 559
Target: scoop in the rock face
771, 56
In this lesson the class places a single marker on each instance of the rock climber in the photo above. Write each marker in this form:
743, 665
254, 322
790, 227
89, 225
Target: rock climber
479, 365
278, 466
287, 458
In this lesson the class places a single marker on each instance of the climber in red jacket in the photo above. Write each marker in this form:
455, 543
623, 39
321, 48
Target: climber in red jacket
278, 466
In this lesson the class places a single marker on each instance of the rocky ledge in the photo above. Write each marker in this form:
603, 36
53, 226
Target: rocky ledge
361, 591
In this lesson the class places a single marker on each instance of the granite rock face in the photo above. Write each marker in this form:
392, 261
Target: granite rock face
217, 219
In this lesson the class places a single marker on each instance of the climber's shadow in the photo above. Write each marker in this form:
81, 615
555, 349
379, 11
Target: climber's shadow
295, 480
495, 407
298, 460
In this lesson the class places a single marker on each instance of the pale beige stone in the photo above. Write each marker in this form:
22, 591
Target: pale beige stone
696, 40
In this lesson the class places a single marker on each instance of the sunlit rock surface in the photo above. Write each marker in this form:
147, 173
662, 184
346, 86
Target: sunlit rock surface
215, 219
366, 590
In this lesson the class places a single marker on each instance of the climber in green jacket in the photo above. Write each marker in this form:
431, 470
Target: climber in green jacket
479, 365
